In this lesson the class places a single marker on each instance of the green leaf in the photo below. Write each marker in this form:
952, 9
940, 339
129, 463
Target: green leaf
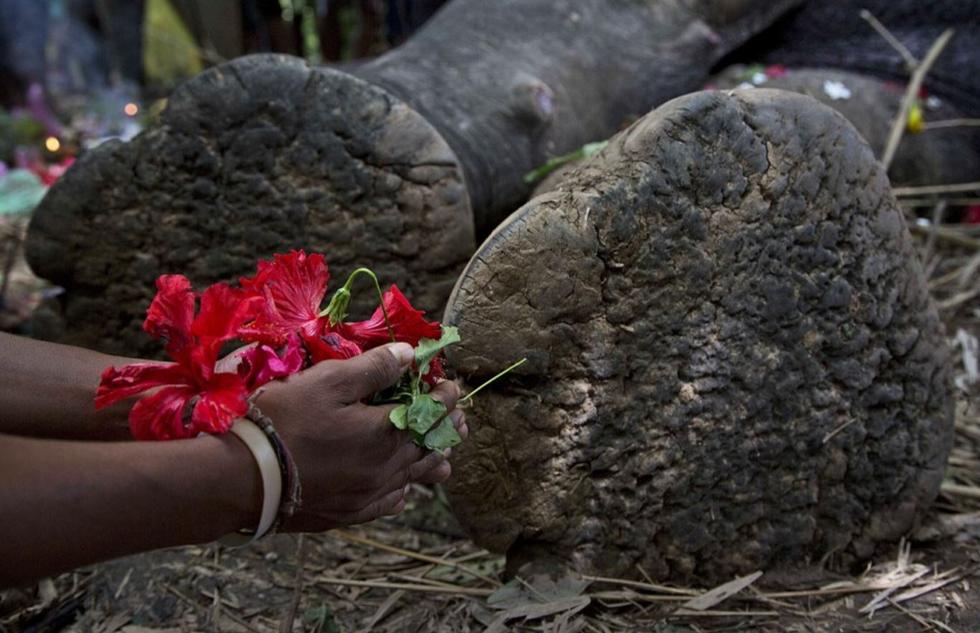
586, 151
443, 436
428, 348
424, 412
399, 417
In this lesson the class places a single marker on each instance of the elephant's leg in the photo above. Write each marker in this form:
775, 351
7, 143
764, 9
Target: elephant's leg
391, 168
733, 359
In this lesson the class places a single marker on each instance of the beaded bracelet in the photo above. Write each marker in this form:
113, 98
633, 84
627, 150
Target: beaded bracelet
280, 477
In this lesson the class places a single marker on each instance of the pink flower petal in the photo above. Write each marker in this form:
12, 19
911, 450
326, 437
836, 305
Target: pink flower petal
261, 364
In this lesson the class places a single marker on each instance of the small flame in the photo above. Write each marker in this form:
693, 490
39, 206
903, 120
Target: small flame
52, 144
131, 109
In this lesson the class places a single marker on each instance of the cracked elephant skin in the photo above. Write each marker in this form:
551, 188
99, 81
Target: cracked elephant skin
733, 359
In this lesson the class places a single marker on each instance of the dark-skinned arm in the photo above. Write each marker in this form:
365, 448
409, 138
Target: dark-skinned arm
64, 503
48, 390
67, 503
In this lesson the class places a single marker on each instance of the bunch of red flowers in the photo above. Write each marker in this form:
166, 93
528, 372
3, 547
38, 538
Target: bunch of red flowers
279, 311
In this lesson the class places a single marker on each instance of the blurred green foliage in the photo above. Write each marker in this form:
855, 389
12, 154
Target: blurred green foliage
170, 53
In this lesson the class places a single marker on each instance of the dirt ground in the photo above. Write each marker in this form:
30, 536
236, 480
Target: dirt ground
337, 584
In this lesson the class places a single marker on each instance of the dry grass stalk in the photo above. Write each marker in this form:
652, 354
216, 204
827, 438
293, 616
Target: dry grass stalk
911, 93
200, 607
362, 540
910, 60
916, 203
381, 584
946, 234
932, 190
946, 123
649, 586
971, 492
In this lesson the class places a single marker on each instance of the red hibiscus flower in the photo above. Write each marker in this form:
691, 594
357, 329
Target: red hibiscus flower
331, 346
293, 286
192, 398
407, 324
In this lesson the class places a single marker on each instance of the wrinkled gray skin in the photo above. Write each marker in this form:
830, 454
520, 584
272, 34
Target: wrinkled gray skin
733, 362
397, 168
245, 163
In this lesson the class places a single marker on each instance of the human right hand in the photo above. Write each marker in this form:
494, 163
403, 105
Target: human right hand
354, 465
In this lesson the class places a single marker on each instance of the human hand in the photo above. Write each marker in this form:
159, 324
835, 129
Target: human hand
354, 465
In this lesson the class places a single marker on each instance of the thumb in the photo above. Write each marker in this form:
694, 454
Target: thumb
375, 369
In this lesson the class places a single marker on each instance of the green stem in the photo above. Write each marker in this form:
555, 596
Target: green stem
337, 308
381, 296
509, 369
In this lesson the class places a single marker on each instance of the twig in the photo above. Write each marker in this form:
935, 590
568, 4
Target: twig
829, 436
937, 218
960, 491
286, 625
918, 592
947, 234
910, 61
958, 299
901, 120
122, 585
945, 123
422, 571
929, 190
928, 202
918, 618
353, 538
687, 613
421, 579
381, 584
197, 605
644, 585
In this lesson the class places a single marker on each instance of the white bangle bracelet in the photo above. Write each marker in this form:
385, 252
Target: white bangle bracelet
265, 456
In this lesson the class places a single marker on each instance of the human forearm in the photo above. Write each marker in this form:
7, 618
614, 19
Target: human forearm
65, 504
48, 390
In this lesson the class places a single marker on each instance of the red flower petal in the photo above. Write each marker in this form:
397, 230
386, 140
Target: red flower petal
223, 310
407, 323
972, 215
161, 416
331, 346
171, 312
129, 380
776, 70
436, 371
293, 285
223, 399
